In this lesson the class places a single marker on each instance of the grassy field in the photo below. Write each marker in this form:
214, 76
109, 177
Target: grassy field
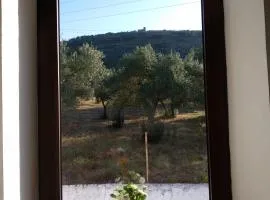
94, 153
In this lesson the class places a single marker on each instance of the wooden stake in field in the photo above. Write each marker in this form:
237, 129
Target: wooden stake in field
146, 156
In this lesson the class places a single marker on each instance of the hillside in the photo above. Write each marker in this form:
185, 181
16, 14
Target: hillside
114, 45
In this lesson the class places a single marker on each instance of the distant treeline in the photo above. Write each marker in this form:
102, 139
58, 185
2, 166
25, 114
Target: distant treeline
115, 45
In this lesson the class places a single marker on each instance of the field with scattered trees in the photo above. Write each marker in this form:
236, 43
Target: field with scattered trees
106, 110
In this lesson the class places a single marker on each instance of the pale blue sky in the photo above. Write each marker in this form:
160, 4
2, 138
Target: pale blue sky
90, 17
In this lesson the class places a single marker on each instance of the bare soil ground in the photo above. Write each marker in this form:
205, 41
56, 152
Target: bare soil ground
94, 153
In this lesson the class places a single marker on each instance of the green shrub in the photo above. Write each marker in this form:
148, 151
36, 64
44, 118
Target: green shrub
132, 189
129, 192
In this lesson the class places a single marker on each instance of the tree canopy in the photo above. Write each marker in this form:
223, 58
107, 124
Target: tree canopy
81, 72
143, 78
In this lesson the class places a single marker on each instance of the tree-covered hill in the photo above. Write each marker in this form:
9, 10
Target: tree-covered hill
114, 45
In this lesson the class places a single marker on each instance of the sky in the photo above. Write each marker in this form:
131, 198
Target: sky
91, 17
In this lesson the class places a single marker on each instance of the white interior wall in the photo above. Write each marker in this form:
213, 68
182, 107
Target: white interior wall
247, 85
248, 99
10, 99
19, 89
1, 130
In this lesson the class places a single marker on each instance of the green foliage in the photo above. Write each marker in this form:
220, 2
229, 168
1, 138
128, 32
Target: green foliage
138, 72
135, 80
129, 192
68, 96
81, 72
143, 78
133, 188
130, 177
103, 91
196, 54
171, 82
148, 78
114, 45
194, 79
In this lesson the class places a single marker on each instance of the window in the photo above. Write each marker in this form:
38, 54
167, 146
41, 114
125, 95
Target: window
216, 100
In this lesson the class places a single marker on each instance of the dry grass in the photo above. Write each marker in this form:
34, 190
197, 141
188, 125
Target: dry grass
94, 153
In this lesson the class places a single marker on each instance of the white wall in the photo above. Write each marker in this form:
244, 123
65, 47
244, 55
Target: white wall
248, 100
154, 192
10, 99
1, 130
19, 99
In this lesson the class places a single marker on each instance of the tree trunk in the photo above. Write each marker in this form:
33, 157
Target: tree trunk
172, 110
164, 107
104, 109
119, 119
152, 112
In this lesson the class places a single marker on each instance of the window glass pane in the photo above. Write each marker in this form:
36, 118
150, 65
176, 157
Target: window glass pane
132, 100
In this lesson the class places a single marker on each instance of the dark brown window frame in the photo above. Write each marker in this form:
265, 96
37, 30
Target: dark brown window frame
267, 28
216, 100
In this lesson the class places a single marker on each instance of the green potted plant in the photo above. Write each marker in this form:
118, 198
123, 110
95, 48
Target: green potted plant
132, 187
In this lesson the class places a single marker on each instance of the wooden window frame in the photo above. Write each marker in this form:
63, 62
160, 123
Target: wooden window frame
215, 91
267, 29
